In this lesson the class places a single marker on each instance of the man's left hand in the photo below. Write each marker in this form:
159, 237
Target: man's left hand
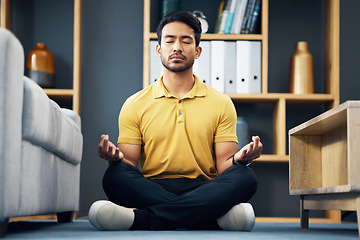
249, 152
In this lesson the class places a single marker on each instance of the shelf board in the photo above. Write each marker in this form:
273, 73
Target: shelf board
40, 217
294, 220
289, 98
59, 93
272, 158
218, 36
326, 122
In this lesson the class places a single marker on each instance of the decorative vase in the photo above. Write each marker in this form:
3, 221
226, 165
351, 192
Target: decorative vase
242, 132
301, 70
40, 66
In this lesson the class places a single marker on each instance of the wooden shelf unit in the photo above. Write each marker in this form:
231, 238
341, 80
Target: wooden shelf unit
74, 93
330, 98
217, 36
324, 161
263, 37
324, 152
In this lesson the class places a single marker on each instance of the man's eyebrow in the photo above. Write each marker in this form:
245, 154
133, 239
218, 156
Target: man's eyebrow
187, 36
183, 36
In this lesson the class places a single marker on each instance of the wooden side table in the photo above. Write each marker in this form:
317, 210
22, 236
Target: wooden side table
325, 161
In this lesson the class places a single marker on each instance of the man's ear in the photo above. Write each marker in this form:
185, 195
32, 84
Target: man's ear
158, 50
198, 52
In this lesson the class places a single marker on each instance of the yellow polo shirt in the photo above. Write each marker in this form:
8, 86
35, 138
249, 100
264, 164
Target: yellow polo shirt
177, 135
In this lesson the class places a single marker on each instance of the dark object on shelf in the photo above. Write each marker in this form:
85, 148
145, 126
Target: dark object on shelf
169, 6
242, 132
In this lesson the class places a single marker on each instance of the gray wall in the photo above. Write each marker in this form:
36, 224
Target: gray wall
112, 71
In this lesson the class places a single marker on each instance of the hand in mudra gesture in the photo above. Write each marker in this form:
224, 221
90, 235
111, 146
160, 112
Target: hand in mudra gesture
108, 151
249, 152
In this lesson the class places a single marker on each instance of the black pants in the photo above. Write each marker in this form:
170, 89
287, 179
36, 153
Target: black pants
167, 204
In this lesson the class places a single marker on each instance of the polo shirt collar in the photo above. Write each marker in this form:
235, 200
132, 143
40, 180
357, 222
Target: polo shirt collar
198, 90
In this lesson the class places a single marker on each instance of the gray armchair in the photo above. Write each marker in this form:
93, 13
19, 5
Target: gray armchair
40, 145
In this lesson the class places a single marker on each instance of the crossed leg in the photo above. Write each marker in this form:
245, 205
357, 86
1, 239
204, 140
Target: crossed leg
178, 203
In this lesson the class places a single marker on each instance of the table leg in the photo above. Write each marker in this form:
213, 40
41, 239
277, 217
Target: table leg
304, 214
358, 213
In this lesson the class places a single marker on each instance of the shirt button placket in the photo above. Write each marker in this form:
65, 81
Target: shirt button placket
180, 112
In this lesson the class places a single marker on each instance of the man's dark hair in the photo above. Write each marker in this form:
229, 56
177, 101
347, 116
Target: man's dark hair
181, 16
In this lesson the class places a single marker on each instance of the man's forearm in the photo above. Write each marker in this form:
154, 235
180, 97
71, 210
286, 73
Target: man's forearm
221, 167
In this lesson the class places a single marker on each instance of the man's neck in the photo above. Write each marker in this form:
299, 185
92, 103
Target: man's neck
178, 83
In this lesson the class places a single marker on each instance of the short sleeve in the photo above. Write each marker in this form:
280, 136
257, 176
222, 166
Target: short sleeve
226, 130
129, 124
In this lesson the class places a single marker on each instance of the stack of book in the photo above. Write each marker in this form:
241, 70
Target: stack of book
239, 17
227, 66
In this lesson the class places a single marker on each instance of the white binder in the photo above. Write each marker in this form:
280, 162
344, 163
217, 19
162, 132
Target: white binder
255, 68
243, 66
248, 61
201, 66
230, 67
156, 67
218, 65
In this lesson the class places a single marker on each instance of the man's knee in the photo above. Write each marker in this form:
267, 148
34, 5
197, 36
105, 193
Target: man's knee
119, 174
243, 180
246, 174
118, 182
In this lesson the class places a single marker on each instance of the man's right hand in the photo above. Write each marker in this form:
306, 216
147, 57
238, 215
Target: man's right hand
108, 151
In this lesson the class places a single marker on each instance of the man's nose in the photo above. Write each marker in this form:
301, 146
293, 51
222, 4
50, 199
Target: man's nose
177, 46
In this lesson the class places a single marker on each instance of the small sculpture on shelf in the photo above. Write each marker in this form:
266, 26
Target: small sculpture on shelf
301, 70
203, 20
40, 66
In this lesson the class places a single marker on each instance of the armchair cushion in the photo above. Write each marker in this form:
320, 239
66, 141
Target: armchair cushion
46, 125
